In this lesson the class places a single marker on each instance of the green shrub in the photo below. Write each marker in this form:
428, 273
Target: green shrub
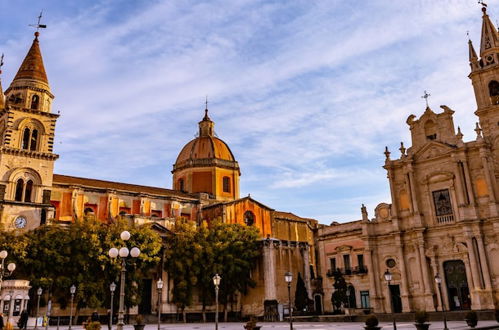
421, 317
372, 321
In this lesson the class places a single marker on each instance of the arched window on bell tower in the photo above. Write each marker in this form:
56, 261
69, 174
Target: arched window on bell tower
35, 102
494, 92
28, 191
26, 135
19, 190
34, 140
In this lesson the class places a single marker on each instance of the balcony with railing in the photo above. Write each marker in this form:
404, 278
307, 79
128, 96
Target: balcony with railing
448, 218
359, 270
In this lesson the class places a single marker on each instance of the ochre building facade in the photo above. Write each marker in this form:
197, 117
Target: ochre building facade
205, 188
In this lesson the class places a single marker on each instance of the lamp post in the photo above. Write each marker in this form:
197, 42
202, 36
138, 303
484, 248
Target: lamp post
72, 290
10, 267
159, 286
388, 278
288, 277
39, 294
112, 288
438, 280
123, 253
216, 282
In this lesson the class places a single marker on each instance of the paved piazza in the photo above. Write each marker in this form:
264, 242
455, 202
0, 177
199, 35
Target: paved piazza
299, 325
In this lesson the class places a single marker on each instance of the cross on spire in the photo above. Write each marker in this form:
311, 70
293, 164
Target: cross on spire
484, 5
426, 96
39, 26
206, 103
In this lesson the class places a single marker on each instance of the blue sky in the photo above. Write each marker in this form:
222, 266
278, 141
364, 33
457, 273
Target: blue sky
306, 93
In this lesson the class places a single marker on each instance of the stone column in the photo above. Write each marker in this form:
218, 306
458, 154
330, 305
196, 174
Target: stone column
306, 270
490, 183
414, 197
484, 262
392, 191
473, 263
269, 269
461, 198
372, 277
406, 305
434, 266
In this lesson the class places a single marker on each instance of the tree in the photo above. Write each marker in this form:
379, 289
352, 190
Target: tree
339, 295
301, 295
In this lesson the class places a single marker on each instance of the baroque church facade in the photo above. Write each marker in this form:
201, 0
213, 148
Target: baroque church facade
205, 188
443, 218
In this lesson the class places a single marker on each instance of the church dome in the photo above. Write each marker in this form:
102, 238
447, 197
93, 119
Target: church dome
205, 150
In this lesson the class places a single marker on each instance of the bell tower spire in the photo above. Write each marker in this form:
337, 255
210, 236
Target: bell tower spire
485, 75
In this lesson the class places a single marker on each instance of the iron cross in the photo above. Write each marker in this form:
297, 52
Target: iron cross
484, 5
426, 96
39, 26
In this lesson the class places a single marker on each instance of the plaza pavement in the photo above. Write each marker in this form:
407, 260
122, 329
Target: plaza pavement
298, 325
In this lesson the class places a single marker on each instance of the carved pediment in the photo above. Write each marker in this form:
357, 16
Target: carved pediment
343, 248
431, 150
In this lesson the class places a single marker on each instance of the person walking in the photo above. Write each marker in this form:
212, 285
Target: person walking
95, 316
23, 320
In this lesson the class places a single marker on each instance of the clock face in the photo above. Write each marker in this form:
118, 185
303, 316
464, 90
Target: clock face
20, 222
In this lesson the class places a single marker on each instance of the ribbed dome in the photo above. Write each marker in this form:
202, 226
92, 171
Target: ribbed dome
206, 150
205, 147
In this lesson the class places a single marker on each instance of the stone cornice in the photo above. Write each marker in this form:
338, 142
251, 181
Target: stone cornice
206, 162
36, 89
28, 153
31, 111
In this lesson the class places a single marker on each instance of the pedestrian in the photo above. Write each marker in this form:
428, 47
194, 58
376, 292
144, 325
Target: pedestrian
95, 316
23, 320
1, 321
109, 320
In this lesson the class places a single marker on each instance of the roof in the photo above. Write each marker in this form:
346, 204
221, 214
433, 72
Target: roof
59, 179
238, 201
205, 147
32, 67
291, 216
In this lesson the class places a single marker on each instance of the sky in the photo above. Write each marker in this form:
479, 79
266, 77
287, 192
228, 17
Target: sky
307, 94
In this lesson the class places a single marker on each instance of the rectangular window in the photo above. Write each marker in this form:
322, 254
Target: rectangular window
226, 184
443, 206
332, 262
360, 261
364, 299
346, 262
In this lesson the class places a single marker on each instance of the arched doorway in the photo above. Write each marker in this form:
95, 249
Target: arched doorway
458, 291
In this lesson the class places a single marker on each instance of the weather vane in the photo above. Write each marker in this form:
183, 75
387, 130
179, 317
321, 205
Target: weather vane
206, 102
39, 26
484, 5
426, 96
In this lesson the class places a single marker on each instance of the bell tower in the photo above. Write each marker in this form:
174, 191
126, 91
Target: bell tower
485, 76
26, 145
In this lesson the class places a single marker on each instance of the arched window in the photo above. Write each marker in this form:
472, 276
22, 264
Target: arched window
27, 192
226, 184
26, 135
430, 130
35, 101
494, 92
88, 211
19, 190
34, 140
249, 218
181, 184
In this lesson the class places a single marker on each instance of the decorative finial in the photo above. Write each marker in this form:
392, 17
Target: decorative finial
387, 153
478, 131
459, 135
39, 26
1, 63
484, 5
402, 148
206, 103
425, 96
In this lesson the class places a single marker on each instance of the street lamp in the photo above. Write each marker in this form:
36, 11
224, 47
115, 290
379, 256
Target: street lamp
288, 277
72, 290
438, 280
388, 278
123, 253
112, 287
38, 293
10, 267
159, 286
216, 282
